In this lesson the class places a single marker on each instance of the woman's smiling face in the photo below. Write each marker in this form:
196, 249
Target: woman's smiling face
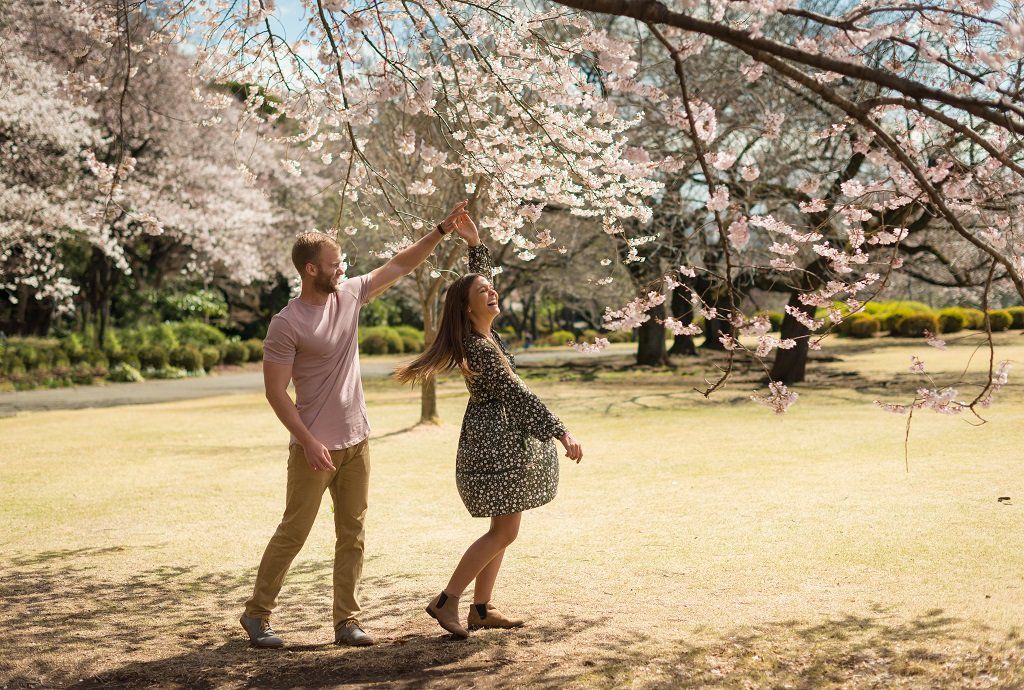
483, 298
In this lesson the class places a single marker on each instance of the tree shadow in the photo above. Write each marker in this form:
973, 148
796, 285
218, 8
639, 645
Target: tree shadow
69, 621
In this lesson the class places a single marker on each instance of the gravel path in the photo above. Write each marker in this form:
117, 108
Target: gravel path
242, 381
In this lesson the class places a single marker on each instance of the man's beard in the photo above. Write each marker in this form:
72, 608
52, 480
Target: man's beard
325, 283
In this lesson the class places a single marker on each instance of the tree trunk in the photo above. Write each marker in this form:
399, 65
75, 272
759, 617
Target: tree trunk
682, 310
714, 296
790, 365
428, 394
650, 349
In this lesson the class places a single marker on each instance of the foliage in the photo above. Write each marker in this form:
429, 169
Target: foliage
860, 325
975, 318
234, 352
1018, 316
412, 338
211, 357
953, 319
153, 357
380, 340
915, 324
559, 338
125, 373
187, 357
198, 334
254, 346
1000, 319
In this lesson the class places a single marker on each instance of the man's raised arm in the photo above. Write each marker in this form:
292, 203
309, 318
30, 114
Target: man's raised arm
405, 262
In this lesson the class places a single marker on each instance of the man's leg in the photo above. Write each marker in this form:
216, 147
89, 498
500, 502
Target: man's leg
349, 490
302, 502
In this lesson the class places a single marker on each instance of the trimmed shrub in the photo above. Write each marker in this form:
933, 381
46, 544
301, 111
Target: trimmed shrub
124, 373
255, 348
12, 364
413, 338
168, 373
975, 319
234, 352
82, 374
559, 338
373, 344
914, 325
73, 348
891, 317
96, 359
953, 319
860, 325
112, 344
618, 336
1017, 313
390, 337
1000, 319
162, 335
187, 357
198, 333
153, 357
211, 356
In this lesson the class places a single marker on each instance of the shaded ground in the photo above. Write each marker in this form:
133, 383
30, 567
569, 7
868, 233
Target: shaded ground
700, 544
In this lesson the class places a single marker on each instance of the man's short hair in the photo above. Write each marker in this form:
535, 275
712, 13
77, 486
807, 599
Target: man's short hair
307, 248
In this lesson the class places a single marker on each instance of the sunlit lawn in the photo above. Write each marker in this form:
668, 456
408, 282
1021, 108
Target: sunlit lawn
699, 543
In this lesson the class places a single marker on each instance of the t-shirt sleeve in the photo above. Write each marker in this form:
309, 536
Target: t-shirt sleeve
362, 286
279, 346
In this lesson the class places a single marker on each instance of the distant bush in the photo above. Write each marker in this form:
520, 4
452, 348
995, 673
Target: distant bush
211, 356
380, 340
775, 318
559, 338
255, 348
413, 338
124, 373
914, 325
953, 319
618, 336
73, 347
860, 325
153, 357
234, 352
163, 335
198, 333
167, 372
1018, 316
187, 357
975, 319
1000, 319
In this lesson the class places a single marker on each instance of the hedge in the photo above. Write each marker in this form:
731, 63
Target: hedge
1000, 319
914, 325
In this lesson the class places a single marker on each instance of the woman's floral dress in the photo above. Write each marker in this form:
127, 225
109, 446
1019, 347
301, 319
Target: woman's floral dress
507, 461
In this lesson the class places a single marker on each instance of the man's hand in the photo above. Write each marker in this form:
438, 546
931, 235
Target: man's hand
449, 223
317, 455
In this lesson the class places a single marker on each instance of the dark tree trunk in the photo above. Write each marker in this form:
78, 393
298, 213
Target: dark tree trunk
650, 349
790, 365
714, 296
682, 310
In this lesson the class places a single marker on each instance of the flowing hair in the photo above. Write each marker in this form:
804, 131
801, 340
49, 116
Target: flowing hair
448, 350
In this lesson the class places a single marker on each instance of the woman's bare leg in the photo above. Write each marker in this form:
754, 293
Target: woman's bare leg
503, 531
483, 587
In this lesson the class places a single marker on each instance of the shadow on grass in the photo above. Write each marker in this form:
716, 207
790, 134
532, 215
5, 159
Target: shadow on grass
68, 620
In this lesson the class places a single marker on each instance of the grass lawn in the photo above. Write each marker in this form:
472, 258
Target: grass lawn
700, 543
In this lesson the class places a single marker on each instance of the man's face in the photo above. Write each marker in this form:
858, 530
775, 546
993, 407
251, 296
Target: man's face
327, 271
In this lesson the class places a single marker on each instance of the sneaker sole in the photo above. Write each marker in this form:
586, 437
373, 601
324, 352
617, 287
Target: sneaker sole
458, 633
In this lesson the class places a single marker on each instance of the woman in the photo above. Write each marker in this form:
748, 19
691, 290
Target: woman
507, 461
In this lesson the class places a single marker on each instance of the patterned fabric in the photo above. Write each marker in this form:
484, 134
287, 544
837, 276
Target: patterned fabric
507, 461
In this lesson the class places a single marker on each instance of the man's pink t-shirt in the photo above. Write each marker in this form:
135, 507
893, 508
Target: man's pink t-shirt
322, 345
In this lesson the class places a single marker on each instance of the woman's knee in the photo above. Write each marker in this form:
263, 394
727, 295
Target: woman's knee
505, 531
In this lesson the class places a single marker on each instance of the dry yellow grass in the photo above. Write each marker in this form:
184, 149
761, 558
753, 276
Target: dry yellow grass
699, 544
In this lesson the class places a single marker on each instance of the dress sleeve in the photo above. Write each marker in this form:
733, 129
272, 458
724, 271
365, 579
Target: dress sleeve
525, 408
480, 261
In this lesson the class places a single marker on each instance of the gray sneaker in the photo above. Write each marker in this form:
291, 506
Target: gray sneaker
351, 634
260, 632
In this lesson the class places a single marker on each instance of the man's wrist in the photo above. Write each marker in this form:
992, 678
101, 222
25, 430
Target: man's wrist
440, 229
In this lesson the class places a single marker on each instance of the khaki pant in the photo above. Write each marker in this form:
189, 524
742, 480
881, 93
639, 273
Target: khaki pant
348, 485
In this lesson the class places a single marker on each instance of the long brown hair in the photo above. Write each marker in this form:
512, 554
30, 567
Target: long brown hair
448, 350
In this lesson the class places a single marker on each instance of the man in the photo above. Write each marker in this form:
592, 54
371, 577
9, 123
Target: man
314, 342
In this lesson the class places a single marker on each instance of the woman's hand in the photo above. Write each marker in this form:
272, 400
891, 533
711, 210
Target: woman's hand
573, 449
452, 219
467, 230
